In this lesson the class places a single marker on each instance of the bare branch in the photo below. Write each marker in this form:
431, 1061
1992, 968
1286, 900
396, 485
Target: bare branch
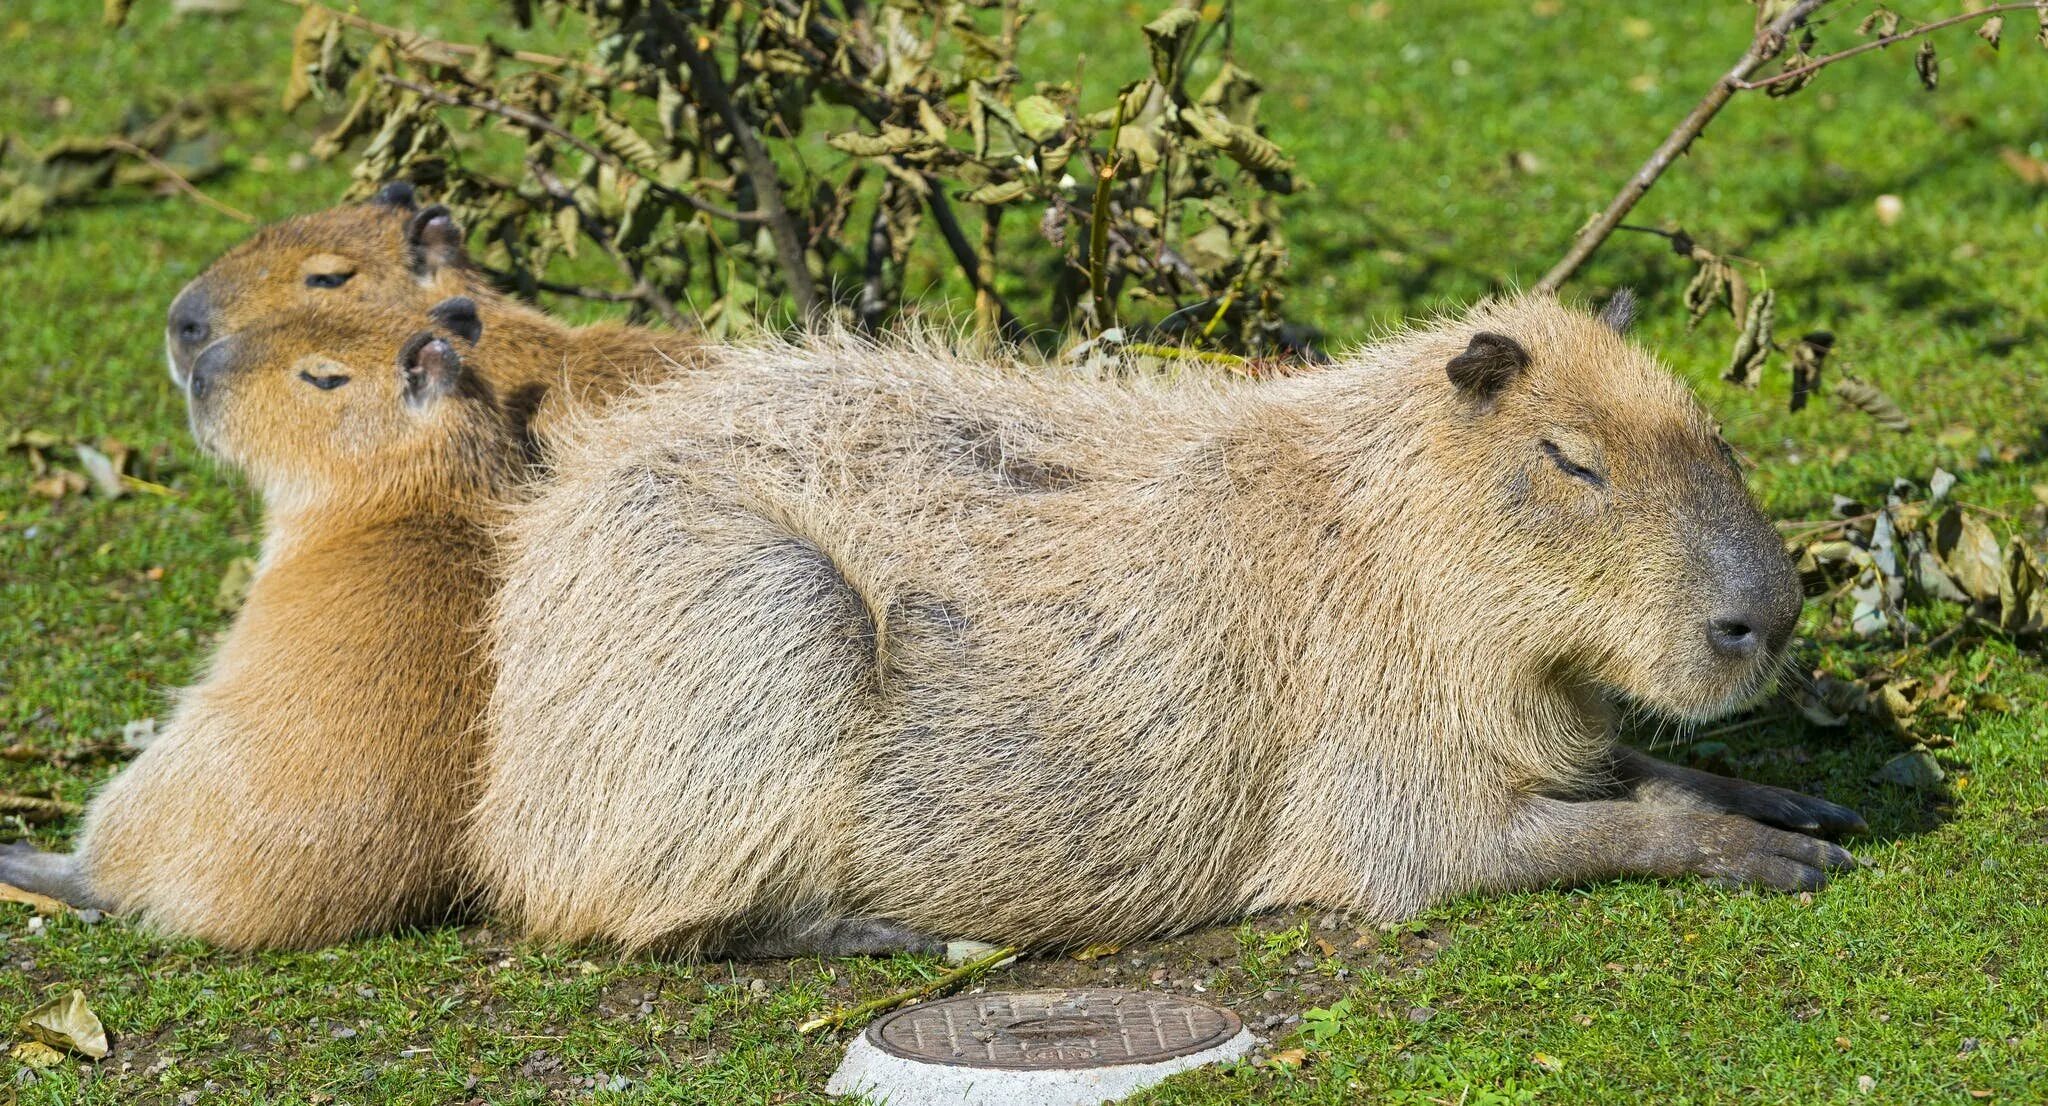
178, 179
1768, 44
970, 265
761, 170
1881, 43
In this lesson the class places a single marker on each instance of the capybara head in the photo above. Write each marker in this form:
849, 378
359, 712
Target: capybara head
334, 402
387, 252
1616, 540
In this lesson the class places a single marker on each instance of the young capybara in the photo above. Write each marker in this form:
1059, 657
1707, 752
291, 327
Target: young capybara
846, 647
390, 259
310, 786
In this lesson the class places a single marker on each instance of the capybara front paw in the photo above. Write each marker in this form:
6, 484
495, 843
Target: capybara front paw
1737, 851
1791, 810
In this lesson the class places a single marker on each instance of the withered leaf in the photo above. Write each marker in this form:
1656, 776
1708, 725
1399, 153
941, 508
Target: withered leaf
1915, 768
1970, 554
1872, 401
1809, 356
1991, 29
41, 904
1927, 65
2022, 606
1753, 345
1882, 21
67, 1023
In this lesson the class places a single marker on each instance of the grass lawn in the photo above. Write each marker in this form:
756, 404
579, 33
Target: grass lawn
1921, 978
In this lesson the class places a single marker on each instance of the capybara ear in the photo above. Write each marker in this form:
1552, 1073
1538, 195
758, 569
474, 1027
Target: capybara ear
1489, 364
433, 241
428, 369
397, 193
1619, 312
458, 315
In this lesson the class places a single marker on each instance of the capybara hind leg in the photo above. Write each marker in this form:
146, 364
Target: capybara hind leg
836, 937
1555, 841
1645, 779
60, 876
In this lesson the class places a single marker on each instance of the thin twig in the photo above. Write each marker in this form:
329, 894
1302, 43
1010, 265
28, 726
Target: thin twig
963, 255
426, 49
549, 127
946, 982
1768, 44
1879, 44
709, 86
179, 179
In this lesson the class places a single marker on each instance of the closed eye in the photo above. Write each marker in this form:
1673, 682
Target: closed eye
1570, 467
327, 280
324, 383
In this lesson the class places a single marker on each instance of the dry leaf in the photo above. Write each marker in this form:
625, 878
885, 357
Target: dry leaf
36, 1054
1970, 553
1753, 345
41, 904
1287, 1057
1867, 398
68, 1023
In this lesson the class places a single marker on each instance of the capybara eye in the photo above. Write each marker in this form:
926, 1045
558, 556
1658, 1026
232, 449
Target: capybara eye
324, 383
327, 280
1570, 467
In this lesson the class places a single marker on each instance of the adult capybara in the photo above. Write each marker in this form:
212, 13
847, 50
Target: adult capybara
847, 647
391, 259
310, 786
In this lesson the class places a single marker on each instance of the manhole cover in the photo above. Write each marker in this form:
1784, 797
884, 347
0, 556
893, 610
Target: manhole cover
1085, 1046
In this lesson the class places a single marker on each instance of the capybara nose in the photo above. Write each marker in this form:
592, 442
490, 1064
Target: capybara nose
1734, 637
190, 326
1764, 623
206, 371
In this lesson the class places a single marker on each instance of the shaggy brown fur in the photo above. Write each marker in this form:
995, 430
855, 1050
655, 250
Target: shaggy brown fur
391, 257
844, 634
310, 786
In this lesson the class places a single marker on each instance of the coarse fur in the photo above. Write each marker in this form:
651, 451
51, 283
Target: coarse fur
847, 633
309, 787
388, 261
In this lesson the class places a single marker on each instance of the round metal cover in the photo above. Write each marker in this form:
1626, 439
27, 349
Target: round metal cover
1035, 1030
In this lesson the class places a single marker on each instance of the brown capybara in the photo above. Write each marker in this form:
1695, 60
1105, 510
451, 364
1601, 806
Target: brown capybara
389, 258
309, 787
847, 647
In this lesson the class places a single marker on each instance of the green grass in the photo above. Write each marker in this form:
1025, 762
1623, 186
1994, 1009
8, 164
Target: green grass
1927, 973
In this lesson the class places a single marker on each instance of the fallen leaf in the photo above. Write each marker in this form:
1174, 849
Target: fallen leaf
1287, 1057
1547, 1062
1970, 553
68, 1023
103, 470
42, 904
1916, 769
36, 1054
